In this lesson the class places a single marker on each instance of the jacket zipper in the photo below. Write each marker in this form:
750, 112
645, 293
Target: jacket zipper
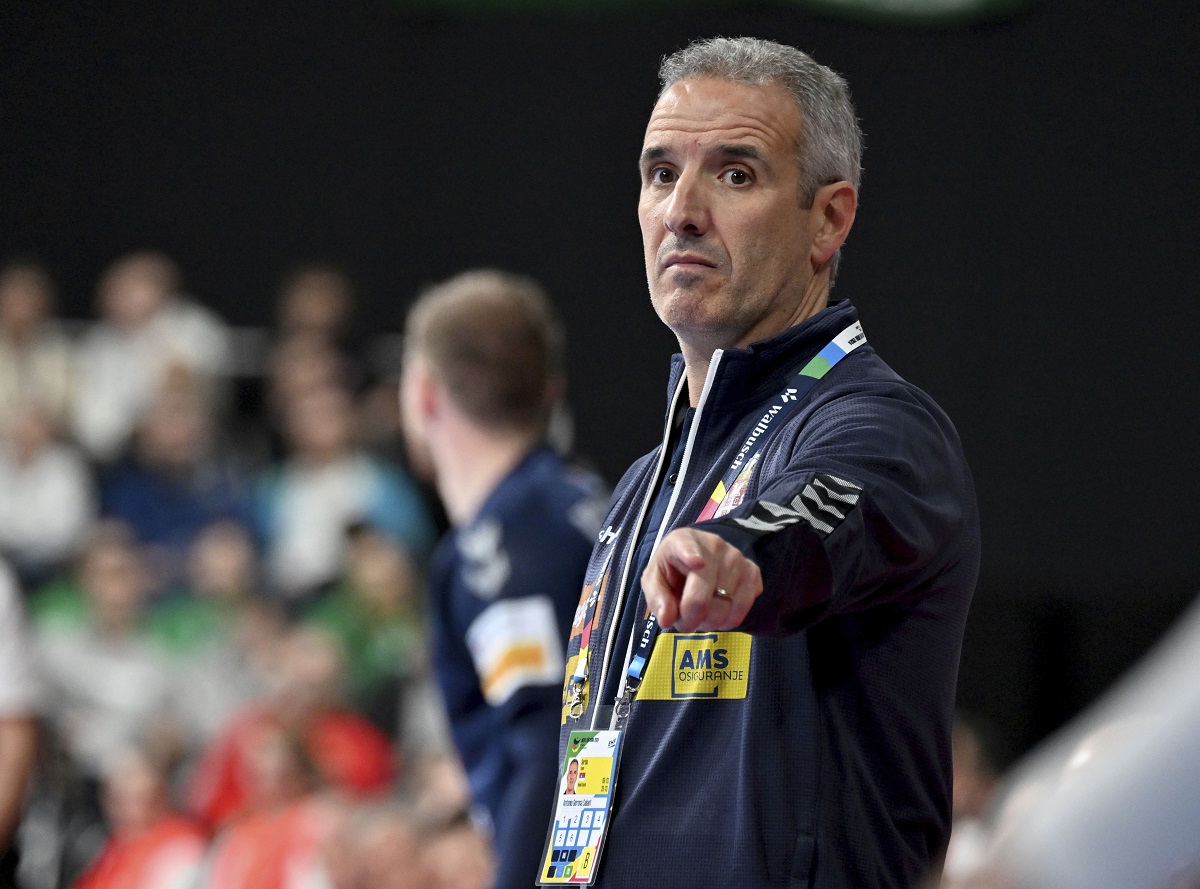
683, 469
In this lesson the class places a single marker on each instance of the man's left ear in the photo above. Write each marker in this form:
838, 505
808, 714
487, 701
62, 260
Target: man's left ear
832, 215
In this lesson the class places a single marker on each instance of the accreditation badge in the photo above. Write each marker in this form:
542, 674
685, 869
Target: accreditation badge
582, 808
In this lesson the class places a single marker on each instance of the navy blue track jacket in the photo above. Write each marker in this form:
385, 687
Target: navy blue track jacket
812, 748
503, 591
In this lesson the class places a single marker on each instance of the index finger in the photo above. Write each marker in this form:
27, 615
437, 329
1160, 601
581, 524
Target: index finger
678, 556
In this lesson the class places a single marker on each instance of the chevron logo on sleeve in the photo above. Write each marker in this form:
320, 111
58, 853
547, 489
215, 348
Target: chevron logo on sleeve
823, 504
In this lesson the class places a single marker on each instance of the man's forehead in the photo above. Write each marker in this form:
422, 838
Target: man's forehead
723, 112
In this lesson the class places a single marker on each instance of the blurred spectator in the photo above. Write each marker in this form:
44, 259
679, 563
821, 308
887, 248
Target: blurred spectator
376, 847
46, 495
347, 752
35, 356
176, 480
392, 854
375, 614
459, 856
310, 350
107, 685
18, 720
976, 771
316, 303
149, 845
148, 335
380, 428
275, 843
439, 788
220, 636
327, 484
299, 366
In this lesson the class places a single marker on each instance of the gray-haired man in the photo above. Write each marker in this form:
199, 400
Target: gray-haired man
805, 539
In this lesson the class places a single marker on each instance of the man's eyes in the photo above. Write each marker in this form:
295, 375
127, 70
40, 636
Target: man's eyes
732, 176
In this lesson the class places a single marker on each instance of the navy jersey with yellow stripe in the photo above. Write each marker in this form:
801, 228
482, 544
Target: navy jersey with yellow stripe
503, 589
811, 747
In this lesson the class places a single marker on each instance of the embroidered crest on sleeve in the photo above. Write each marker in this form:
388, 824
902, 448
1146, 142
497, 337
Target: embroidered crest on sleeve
486, 565
823, 505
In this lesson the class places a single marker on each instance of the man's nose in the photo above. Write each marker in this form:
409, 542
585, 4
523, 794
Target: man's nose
687, 211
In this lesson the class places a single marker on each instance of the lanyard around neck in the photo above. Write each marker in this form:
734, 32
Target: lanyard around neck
794, 393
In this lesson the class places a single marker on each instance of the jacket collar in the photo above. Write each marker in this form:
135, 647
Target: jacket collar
747, 376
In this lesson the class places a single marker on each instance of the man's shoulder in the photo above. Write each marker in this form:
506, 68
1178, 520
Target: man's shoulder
866, 385
636, 472
543, 493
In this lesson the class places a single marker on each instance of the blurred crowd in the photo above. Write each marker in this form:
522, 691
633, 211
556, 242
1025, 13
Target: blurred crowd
214, 654
220, 554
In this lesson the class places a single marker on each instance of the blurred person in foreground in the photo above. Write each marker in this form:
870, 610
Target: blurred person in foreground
1111, 800
805, 539
19, 704
36, 361
150, 846
483, 368
976, 773
148, 335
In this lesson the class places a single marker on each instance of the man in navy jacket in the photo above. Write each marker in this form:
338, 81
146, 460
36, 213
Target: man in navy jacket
483, 368
806, 535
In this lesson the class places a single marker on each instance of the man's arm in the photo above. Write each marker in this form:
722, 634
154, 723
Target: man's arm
531, 742
517, 651
869, 497
500, 636
18, 753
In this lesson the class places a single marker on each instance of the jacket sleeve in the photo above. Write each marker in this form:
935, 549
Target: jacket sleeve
531, 740
511, 593
873, 500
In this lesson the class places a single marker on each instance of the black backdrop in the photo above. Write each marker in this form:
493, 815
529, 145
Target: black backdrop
1025, 248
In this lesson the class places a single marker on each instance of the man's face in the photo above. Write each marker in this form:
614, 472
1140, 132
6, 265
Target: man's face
572, 774
726, 238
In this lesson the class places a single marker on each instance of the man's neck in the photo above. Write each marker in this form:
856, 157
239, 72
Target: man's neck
698, 356
470, 462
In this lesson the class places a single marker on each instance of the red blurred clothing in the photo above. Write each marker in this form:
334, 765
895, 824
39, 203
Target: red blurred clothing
349, 753
273, 849
164, 856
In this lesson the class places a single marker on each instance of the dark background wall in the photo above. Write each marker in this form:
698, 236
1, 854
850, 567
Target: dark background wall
1025, 248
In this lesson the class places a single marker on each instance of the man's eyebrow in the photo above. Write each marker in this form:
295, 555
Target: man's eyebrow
653, 153
742, 151
749, 152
